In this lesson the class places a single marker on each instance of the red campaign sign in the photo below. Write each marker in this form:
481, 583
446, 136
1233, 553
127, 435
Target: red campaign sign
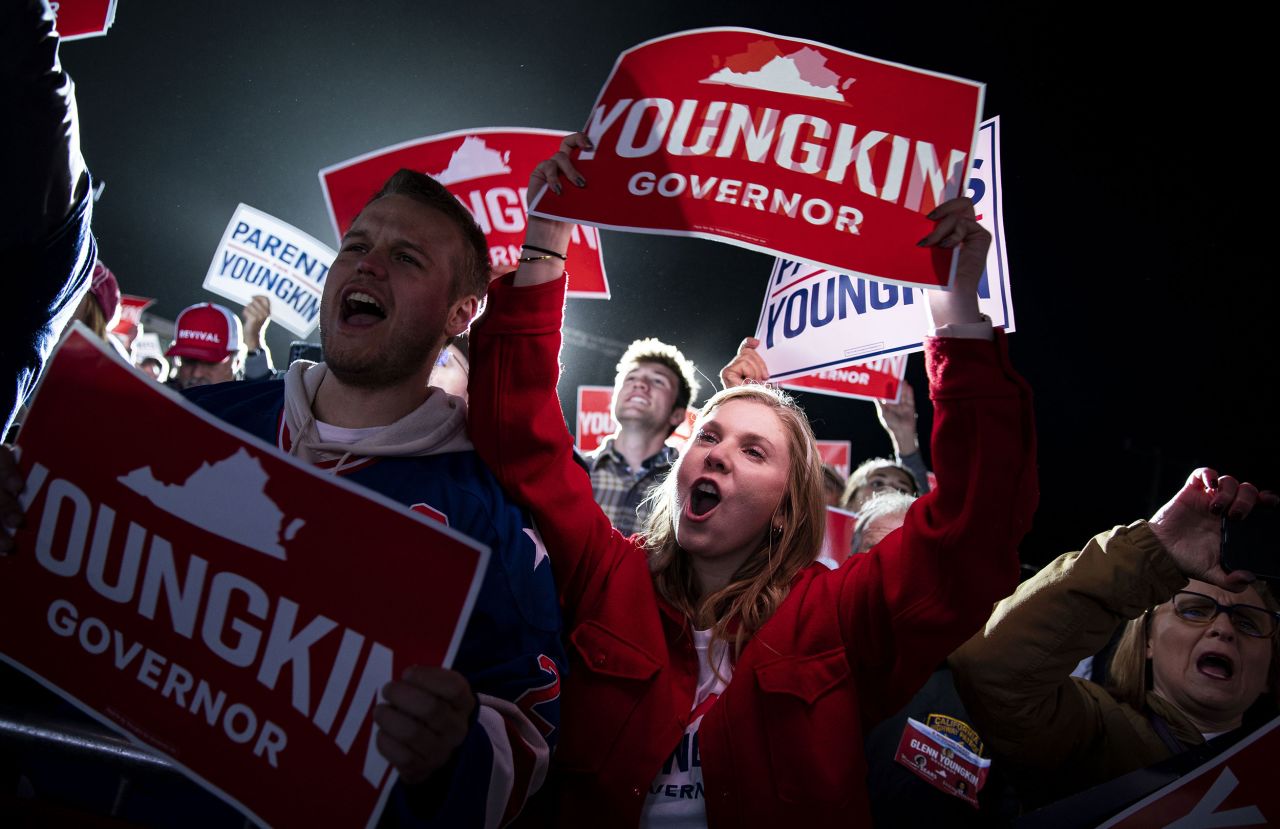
217, 601
1236, 788
131, 308
836, 453
837, 542
595, 416
878, 379
488, 170
784, 146
595, 420
942, 762
78, 19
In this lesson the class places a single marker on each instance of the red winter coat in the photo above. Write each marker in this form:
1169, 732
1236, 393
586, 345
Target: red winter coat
847, 648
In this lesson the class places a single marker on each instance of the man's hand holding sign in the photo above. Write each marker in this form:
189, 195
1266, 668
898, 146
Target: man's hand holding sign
313, 651
423, 720
220, 629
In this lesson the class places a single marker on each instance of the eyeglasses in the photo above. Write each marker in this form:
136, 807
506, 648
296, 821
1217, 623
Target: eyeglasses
1199, 609
877, 485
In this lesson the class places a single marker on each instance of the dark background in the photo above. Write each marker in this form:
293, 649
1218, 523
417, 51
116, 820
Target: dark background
1135, 167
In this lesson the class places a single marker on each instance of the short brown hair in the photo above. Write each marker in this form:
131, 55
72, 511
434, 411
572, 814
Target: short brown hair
653, 350
471, 275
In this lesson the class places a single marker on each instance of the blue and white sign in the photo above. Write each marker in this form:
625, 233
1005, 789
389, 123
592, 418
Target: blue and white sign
815, 319
261, 255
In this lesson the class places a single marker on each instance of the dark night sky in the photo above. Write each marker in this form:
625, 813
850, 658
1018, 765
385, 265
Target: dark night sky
1134, 159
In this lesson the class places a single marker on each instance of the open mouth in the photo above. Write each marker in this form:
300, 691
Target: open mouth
1215, 665
704, 498
359, 308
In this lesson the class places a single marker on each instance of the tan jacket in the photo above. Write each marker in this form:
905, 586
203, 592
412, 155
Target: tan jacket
1015, 675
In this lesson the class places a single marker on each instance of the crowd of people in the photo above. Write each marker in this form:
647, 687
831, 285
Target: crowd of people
710, 671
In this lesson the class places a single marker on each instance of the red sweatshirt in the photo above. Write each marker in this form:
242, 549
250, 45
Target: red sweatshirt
846, 648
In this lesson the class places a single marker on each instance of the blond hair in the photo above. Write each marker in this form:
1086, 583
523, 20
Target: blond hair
1129, 674
735, 612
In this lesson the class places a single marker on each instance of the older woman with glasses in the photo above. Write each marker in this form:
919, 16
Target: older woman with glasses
1198, 656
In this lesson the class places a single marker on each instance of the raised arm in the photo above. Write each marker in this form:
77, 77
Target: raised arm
44, 173
899, 422
514, 416
926, 587
44, 202
257, 361
1015, 674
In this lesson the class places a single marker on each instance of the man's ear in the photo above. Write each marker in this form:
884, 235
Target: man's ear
460, 315
677, 416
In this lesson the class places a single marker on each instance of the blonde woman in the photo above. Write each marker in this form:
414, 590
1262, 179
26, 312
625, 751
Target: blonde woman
1199, 648
718, 675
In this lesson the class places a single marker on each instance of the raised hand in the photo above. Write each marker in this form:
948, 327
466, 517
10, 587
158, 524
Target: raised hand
549, 234
746, 366
1190, 525
256, 316
957, 226
899, 420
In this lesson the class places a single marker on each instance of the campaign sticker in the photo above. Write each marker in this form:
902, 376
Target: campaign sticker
943, 763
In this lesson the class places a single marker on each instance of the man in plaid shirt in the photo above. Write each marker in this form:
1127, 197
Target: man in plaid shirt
653, 389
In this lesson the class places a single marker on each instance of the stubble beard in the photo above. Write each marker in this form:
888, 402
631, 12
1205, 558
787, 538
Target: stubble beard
365, 368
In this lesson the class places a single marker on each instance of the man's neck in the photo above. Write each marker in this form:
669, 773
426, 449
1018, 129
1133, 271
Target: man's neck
357, 407
637, 446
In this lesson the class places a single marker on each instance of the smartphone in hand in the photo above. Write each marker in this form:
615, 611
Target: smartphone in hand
1253, 544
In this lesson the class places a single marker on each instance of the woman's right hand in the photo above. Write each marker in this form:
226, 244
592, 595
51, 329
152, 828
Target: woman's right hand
1190, 525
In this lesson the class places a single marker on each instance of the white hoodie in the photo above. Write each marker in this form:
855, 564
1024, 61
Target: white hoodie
438, 426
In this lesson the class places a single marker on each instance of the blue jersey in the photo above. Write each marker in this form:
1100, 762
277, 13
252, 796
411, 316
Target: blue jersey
510, 650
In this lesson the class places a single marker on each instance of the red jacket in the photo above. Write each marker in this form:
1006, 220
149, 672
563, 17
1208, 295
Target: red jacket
847, 648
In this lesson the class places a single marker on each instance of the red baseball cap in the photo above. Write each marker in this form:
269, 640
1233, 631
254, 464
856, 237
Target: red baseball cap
205, 332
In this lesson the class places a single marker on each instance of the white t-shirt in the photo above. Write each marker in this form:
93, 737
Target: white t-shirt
676, 799
340, 434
